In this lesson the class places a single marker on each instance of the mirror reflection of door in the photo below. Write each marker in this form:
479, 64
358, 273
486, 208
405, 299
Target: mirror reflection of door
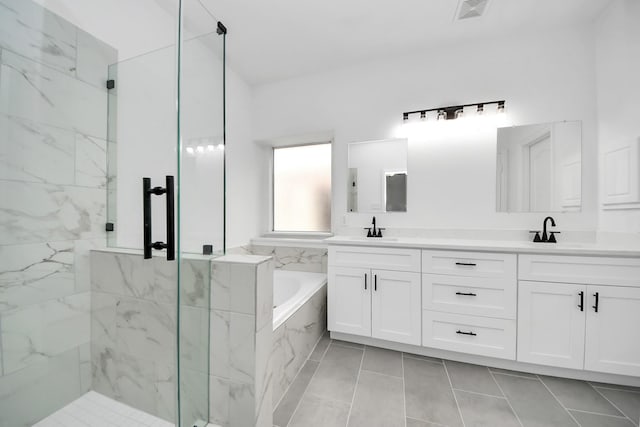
540, 174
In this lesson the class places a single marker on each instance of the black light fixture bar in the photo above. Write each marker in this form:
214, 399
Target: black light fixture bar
450, 112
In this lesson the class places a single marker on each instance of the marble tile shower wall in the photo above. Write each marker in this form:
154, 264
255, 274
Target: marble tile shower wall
133, 332
313, 260
53, 105
241, 341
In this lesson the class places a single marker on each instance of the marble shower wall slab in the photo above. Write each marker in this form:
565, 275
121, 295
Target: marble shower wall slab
134, 326
294, 341
52, 206
241, 332
313, 260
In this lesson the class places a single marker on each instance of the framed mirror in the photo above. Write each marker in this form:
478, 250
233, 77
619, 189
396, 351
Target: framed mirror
377, 176
539, 168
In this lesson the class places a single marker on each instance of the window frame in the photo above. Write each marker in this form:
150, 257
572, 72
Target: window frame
296, 234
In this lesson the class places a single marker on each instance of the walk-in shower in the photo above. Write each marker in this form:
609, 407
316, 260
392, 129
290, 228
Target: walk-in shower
95, 97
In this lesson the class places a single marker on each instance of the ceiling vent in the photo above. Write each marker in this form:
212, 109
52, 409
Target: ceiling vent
468, 9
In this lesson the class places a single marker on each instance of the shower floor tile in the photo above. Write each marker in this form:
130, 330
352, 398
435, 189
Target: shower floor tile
96, 410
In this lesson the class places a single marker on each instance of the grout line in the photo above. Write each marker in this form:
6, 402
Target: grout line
454, 393
355, 390
417, 357
533, 378
614, 388
404, 391
479, 394
559, 402
380, 373
428, 422
614, 405
506, 398
622, 417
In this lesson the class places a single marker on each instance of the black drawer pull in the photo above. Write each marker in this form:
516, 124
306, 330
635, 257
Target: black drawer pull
581, 305
466, 264
375, 282
365, 281
466, 294
473, 334
597, 296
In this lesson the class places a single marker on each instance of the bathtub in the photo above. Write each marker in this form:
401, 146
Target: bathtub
291, 289
299, 321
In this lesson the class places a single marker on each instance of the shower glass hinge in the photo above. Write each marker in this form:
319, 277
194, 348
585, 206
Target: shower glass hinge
111, 84
109, 226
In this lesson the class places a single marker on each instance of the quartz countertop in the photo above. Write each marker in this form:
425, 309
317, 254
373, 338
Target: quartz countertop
561, 248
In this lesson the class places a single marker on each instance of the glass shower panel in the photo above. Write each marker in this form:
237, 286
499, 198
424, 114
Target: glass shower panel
201, 199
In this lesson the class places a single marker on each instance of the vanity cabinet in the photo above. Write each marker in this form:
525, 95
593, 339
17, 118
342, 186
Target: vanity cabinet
370, 301
469, 302
580, 325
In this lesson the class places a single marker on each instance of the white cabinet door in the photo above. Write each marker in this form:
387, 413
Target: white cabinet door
551, 324
613, 334
395, 306
349, 298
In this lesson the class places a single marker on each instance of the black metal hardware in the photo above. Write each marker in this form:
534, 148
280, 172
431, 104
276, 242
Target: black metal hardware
111, 84
380, 232
147, 192
581, 305
207, 249
466, 333
545, 237
536, 238
449, 112
375, 282
466, 294
552, 236
466, 264
221, 28
597, 296
368, 231
365, 281
109, 226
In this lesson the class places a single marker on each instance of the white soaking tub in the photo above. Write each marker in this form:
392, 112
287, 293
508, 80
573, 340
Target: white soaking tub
291, 289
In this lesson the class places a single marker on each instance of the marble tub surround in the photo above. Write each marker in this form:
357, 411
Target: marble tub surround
53, 206
295, 339
294, 258
241, 334
133, 331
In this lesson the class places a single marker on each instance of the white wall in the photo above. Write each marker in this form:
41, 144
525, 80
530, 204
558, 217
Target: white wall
543, 77
618, 95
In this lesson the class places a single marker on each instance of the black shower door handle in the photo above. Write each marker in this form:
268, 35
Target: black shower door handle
148, 243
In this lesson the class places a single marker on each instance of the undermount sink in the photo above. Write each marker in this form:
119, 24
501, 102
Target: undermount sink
374, 239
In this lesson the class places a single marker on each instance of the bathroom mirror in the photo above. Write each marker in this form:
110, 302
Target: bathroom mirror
539, 168
377, 178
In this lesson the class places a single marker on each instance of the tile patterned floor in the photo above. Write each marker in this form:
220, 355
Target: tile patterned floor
345, 384
96, 410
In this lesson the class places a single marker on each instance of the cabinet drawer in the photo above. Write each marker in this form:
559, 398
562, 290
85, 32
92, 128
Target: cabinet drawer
470, 264
479, 296
396, 259
469, 334
577, 269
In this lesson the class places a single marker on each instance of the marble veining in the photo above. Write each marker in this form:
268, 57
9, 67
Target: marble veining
313, 260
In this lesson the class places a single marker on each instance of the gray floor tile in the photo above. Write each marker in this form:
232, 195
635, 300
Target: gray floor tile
533, 403
379, 402
315, 411
337, 374
425, 358
417, 423
289, 403
615, 386
595, 420
382, 361
321, 347
428, 393
347, 344
465, 376
485, 411
509, 372
575, 394
628, 402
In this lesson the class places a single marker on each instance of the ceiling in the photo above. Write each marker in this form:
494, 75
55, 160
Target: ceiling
278, 39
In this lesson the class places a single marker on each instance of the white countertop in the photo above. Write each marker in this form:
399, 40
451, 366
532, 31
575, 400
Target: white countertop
593, 249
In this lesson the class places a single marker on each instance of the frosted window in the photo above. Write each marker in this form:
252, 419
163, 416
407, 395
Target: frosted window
302, 188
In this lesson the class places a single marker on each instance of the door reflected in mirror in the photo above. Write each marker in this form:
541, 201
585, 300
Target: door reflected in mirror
539, 168
377, 176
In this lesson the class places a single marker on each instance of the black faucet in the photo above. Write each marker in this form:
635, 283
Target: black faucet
546, 238
373, 231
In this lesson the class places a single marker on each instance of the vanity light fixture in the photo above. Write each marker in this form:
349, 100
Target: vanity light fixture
454, 111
